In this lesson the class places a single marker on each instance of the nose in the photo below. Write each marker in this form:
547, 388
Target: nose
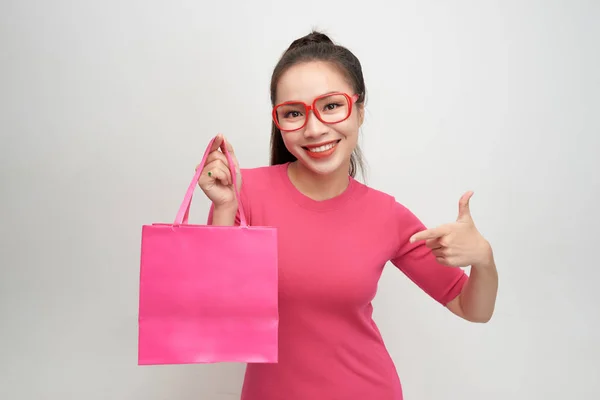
314, 128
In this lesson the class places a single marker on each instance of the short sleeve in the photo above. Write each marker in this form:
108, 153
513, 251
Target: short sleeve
418, 263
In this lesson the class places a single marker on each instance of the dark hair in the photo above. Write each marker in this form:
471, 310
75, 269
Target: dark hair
317, 46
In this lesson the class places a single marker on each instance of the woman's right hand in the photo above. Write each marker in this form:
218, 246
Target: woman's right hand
215, 180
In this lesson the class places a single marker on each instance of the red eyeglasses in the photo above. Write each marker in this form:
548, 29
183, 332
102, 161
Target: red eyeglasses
330, 108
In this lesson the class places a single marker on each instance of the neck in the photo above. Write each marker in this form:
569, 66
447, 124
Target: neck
315, 186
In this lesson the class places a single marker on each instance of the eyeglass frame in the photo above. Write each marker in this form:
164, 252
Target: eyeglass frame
351, 101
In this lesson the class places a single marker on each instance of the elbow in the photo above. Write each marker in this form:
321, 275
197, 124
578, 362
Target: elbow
481, 314
480, 318
466, 310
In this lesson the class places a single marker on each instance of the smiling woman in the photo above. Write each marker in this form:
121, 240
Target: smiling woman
330, 108
314, 66
329, 345
322, 136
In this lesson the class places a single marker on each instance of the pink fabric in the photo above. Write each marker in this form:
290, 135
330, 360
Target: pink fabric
331, 255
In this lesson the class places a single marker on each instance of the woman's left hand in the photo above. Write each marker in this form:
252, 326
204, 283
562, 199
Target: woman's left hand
458, 244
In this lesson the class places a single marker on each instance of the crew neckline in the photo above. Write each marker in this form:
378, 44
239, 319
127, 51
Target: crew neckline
317, 205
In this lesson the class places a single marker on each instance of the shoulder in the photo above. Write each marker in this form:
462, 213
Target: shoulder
387, 206
263, 171
374, 198
261, 178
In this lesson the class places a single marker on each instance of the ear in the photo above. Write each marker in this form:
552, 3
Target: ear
361, 115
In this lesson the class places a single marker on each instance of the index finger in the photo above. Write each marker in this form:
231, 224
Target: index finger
217, 143
427, 234
227, 145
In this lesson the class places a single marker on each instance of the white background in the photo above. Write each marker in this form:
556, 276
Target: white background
106, 108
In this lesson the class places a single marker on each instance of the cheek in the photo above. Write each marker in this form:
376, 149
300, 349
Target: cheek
349, 129
351, 126
292, 141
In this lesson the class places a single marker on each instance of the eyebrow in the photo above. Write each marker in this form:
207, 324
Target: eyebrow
322, 94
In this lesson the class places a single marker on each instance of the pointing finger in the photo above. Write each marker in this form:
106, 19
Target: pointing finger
428, 234
433, 244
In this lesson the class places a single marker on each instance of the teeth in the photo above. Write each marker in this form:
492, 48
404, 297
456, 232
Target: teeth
322, 148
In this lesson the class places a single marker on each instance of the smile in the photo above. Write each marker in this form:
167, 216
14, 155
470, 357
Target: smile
322, 149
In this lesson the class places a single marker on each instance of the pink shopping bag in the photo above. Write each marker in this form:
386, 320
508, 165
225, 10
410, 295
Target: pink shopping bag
207, 293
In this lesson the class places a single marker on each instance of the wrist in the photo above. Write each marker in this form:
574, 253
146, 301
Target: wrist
487, 257
227, 207
224, 215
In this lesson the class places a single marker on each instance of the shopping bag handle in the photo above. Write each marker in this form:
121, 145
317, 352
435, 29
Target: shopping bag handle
184, 209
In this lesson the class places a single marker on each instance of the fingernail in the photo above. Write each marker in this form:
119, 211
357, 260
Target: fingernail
209, 173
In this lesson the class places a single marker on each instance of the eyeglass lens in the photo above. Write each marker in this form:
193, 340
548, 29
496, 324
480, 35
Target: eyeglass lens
329, 109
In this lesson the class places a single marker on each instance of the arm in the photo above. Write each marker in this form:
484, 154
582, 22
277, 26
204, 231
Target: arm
225, 216
228, 215
418, 262
477, 300
460, 244
217, 181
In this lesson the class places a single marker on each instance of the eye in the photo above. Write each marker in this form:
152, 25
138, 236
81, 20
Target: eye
331, 106
292, 114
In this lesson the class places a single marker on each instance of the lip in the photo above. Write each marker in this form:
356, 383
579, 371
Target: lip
313, 146
323, 154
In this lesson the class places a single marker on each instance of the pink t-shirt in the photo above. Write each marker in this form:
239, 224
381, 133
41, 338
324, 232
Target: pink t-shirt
331, 256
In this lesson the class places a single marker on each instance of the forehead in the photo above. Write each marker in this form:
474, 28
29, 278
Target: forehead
305, 81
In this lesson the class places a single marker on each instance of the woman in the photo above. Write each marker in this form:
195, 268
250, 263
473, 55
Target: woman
335, 235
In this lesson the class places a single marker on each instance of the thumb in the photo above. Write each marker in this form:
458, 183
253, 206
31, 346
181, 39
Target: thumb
464, 210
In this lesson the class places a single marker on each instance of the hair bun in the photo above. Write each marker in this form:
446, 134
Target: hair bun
314, 37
